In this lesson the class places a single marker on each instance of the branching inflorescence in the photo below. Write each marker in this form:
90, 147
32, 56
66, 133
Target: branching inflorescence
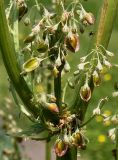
42, 60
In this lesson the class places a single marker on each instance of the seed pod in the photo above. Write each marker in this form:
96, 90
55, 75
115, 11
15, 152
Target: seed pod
31, 64
55, 71
29, 38
99, 66
65, 29
52, 107
42, 47
51, 98
110, 54
58, 61
107, 63
60, 148
89, 18
22, 8
72, 42
67, 67
77, 139
96, 78
85, 92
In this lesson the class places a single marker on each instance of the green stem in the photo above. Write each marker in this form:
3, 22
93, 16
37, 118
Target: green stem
57, 89
70, 155
48, 150
48, 142
10, 61
103, 30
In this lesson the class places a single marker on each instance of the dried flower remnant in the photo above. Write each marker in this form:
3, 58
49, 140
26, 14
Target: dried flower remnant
112, 134
86, 18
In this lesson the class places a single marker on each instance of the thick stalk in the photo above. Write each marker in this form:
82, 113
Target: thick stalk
57, 89
10, 61
70, 155
103, 30
48, 142
48, 150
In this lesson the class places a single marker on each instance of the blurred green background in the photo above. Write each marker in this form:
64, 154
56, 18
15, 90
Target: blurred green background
99, 147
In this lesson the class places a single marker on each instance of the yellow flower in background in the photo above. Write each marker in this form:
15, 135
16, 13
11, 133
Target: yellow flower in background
107, 77
99, 118
102, 138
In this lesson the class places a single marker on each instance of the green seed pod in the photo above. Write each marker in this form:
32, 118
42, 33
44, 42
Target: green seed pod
31, 64
60, 147
96, 78
85, 92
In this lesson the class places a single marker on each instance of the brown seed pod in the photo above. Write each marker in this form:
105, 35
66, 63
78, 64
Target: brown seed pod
72, 42
85, 92
22, 8
60, 148
52, 107
77, 139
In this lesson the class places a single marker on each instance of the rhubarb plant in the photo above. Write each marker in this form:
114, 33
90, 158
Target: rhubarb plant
37, 64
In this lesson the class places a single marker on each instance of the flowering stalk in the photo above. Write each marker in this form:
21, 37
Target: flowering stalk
103, 29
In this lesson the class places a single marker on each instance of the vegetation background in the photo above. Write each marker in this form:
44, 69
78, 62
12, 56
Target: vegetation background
100, 147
